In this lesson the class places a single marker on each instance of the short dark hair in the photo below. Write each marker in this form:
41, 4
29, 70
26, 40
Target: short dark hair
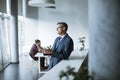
37, 41
64, 24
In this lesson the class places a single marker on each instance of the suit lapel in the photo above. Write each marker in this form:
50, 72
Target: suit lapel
61, 42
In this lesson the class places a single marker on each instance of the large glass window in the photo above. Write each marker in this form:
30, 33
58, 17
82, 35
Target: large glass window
4, 40
0, 52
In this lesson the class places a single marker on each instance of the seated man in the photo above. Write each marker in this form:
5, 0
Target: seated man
34, 50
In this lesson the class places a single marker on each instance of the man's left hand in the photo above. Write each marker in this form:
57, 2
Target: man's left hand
47, 51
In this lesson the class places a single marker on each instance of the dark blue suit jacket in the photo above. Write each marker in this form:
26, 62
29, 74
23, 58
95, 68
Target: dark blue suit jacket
63, 50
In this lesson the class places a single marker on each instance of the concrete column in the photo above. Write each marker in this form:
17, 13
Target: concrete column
24, 7
104, 26
14, 31
3, 6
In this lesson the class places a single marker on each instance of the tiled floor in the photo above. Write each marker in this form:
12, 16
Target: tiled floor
22, 71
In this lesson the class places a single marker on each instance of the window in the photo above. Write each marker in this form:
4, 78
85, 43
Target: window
4, 41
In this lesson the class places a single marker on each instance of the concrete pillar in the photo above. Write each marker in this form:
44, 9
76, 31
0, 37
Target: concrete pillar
14, 31
104, 52
3, 6
24, 7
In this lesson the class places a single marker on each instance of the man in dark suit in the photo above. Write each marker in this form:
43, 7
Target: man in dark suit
62, 47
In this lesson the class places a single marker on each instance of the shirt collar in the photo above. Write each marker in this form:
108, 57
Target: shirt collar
63, 36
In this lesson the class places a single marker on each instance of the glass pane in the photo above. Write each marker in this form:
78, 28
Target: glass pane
5, 50
0, 60
0, 50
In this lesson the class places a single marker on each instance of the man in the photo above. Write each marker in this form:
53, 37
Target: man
62, 47
34, 50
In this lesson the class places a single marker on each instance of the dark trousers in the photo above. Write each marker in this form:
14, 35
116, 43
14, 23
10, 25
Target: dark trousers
53, 62
42, 61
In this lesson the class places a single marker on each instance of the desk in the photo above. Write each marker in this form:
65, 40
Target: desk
75, 60
41, 55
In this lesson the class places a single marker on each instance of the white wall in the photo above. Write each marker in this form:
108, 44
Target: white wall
31, 30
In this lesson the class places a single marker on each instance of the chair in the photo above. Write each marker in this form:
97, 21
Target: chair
32, 61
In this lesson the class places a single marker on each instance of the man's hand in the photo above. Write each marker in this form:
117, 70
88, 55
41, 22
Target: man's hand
47, 51
39, 49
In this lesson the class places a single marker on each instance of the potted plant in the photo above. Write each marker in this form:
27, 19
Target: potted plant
82, 74
82, 41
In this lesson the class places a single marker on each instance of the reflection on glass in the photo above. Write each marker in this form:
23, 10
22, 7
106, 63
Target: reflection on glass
0, 52
4, 41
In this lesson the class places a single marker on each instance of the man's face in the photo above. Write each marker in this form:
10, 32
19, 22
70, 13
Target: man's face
60, 29
39, 44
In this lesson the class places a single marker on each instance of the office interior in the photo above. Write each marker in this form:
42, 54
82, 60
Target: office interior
23, 21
